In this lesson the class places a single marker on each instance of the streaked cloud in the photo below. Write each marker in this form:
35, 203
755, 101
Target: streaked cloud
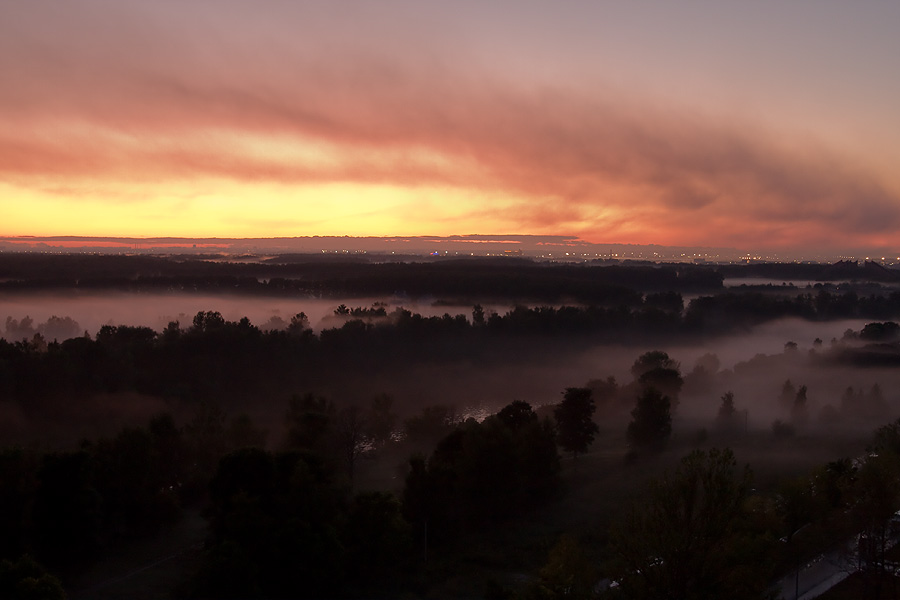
151, 111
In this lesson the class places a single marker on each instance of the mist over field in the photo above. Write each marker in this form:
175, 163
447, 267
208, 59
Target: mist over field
536, 371
92, 311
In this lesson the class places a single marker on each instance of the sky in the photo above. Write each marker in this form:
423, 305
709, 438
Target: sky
756, 125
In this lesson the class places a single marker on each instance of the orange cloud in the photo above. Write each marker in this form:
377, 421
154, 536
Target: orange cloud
79, 119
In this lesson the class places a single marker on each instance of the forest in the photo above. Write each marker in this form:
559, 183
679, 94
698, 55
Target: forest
596, 430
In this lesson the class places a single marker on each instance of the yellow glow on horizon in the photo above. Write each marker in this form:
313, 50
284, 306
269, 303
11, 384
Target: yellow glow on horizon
225, 208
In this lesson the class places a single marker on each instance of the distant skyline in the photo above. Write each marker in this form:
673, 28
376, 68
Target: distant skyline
553, 248
759, 126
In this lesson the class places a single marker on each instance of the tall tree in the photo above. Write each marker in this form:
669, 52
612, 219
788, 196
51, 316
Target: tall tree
800, 410
729, 418
310, 419
651, 423
649, 361
788, 394
381, 420
656, 370
350, 426
574, 420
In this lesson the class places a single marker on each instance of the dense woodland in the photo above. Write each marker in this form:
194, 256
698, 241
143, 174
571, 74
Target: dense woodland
614, 488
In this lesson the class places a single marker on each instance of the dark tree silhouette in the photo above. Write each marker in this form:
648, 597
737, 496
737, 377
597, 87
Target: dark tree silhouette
25, 579
299, 324
800, 410
651, 423
310, 419
727, 410
378, 541
67, 512
517, 415
574, 420
350, 426
667, 380
381, 420
481, 474
478, 315
428, 426
655, 359
788, 394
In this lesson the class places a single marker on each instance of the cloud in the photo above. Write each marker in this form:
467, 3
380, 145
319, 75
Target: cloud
142, 103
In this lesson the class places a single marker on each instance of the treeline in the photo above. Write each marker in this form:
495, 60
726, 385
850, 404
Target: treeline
840, 271
517, 279
732, 311
218, 359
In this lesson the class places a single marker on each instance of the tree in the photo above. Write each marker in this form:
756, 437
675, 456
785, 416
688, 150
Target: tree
299, 324
67, 511
795, 507
877, 499
310, 419
274, 528
834, 483
378, 542
887, 438
25, 579
880, 332
849, 401
381, 420
574, 420
655, 369
478, 316
728, 417
517, 415
430, 425
655, 359
417, 500
692, 538
651, 423
569, 572
481, 474
208, 321
350, 427
788, 393
605, 393
800, 411
727, 410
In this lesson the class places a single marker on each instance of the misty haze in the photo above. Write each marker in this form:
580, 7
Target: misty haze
553, 398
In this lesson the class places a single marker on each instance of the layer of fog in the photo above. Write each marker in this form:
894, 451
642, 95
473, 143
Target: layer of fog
730, 282
92, 311
538, 377
754, 365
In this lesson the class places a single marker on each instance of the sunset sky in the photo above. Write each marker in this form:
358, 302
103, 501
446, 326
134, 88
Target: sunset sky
746, 124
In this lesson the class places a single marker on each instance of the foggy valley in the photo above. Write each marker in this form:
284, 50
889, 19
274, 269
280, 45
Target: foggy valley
507, 300
376, 393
